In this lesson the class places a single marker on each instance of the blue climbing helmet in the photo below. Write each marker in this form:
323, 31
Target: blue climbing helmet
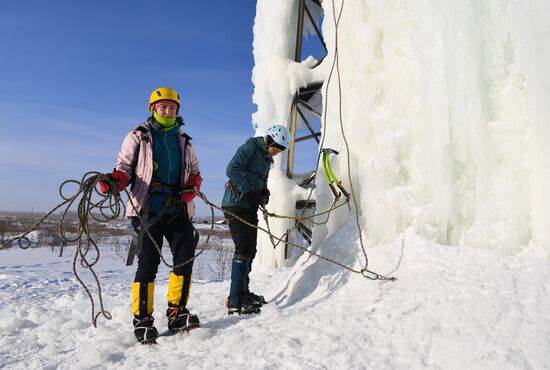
277, 136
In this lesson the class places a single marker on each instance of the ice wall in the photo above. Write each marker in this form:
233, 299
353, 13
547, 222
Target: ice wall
444, 108
276, 78
446, 99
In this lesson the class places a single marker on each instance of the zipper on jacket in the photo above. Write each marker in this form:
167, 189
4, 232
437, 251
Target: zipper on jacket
167, 148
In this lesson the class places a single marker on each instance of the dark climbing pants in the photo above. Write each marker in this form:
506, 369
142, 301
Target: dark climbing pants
182, 239
245, 238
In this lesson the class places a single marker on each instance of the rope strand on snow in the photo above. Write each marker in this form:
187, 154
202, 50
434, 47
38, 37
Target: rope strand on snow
297, 220
83, 238
364, 271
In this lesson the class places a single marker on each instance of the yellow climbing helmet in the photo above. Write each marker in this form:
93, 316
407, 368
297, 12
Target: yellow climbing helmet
163, 93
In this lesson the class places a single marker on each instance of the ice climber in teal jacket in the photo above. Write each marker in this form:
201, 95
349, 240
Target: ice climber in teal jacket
245, 191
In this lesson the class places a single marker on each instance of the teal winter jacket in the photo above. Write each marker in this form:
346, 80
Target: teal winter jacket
167, 163
248, 171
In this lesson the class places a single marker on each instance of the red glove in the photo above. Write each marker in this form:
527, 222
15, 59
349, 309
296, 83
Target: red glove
117, 178
194, 181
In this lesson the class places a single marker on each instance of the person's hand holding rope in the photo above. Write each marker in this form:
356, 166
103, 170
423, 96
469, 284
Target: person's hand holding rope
111, 182
191, 189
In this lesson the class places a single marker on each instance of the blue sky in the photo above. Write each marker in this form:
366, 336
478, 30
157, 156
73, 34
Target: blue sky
76, 77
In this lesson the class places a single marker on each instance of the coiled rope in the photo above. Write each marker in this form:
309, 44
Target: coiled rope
109, 207
83, 238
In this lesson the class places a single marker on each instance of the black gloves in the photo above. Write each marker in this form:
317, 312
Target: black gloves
252, 198
258, 199
264, 196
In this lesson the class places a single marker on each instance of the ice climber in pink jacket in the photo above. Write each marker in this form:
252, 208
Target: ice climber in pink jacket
158, 161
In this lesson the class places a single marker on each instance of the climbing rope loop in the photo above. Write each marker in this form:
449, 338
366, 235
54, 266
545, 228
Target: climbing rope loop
91, 204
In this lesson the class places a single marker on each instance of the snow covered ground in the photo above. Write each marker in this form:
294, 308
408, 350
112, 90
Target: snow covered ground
444, 111
451, 308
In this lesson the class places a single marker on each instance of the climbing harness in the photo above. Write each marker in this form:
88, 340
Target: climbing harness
173, 206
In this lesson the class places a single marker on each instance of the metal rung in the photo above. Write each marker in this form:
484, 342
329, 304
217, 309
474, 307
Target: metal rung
309, 108
308, 180
307, 137
305, 231
301, 204
305, 93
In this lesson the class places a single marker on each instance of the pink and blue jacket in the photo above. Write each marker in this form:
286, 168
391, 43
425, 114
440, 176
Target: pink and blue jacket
136, 161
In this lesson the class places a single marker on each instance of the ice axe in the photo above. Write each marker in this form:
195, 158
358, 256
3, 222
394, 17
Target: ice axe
332, 180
